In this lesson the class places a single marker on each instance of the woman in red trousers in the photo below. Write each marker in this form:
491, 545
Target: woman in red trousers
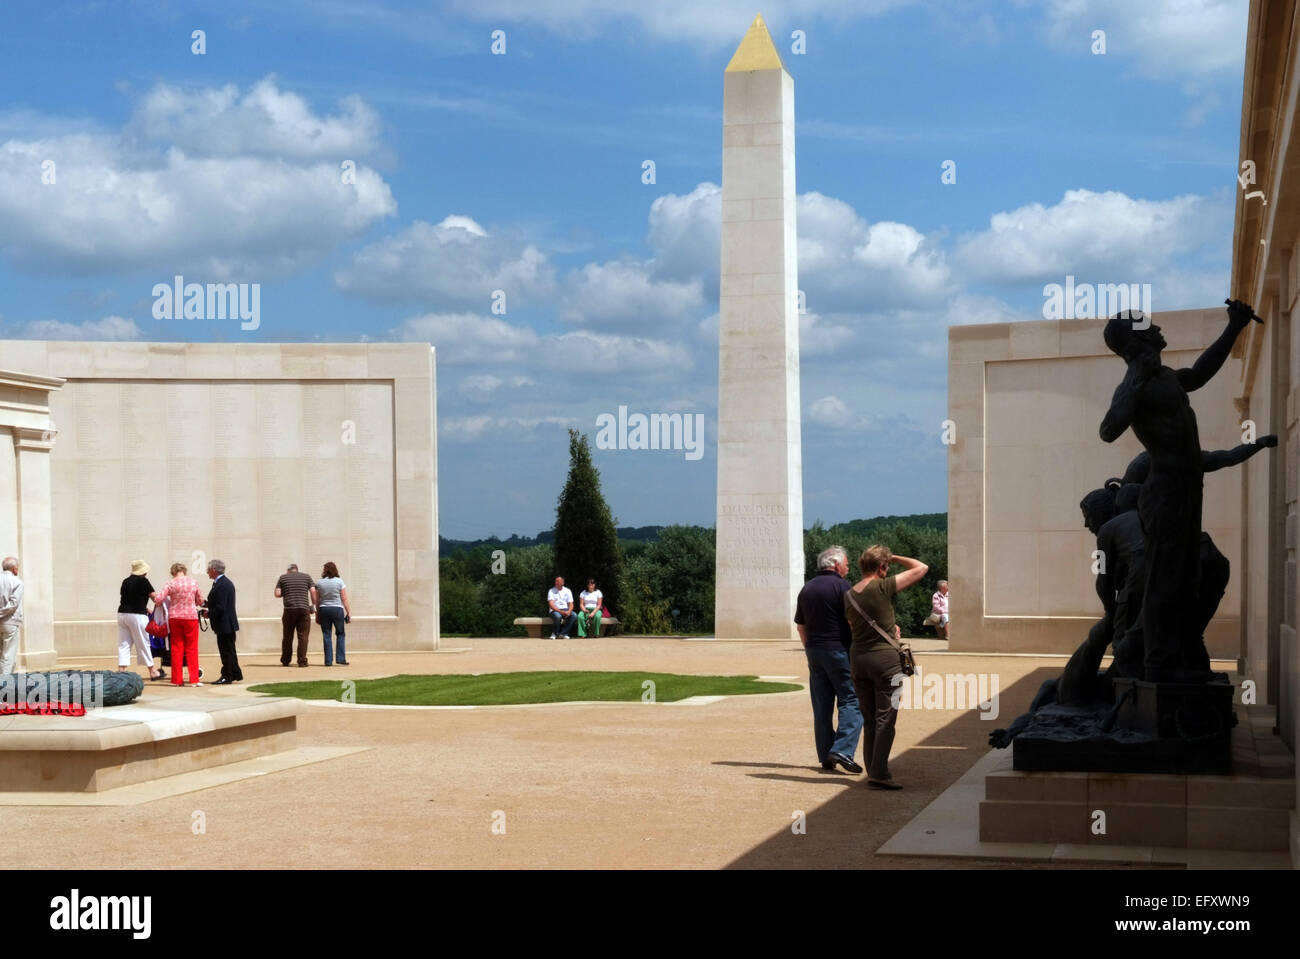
181, 594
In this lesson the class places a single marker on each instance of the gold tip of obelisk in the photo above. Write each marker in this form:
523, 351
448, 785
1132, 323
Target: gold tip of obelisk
756, 51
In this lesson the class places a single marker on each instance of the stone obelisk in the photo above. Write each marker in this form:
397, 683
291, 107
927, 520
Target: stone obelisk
760, 493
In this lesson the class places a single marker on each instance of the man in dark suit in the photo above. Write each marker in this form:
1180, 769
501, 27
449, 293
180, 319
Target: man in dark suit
220, 609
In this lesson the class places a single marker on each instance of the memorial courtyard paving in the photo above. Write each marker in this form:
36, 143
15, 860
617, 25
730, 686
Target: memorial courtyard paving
618, 785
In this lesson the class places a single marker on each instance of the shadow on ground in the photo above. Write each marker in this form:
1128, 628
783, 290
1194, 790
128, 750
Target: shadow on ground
846, 830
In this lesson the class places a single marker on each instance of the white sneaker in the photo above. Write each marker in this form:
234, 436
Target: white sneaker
196, 684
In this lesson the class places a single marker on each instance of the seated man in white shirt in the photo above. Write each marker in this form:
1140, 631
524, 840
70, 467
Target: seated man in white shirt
590, 601
560, 601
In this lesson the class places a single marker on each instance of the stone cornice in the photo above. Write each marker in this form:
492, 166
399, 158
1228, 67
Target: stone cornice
28, 438
31, 381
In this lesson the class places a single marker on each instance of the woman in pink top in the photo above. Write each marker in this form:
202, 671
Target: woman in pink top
181, 594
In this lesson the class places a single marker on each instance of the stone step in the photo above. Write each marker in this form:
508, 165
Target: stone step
1104, 789
1133, 824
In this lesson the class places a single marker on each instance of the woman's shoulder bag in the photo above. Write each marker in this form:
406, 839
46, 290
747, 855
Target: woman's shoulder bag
905, 659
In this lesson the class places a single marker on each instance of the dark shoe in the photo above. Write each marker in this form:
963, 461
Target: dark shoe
342, 662
845, 763
884, 784
222, 682
161, 675
329, 664
286, 664
303, 665
828, 766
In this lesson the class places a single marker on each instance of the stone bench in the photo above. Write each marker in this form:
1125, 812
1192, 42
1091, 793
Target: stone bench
539, 626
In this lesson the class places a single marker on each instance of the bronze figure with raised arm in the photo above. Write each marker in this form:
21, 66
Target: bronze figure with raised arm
1152, 400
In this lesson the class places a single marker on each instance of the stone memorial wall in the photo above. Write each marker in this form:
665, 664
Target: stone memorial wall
258, 455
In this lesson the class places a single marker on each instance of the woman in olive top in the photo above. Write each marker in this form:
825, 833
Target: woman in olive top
132, 616
330, 597
874, 659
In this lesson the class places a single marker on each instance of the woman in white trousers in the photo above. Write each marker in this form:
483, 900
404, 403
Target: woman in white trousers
132, 616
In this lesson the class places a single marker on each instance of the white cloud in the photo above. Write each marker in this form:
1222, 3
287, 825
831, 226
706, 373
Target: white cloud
465, 338
480, 388
685, 233
1102, 237
844, 262
228, 217
264, 121
475, 427
455, 263
109, 328
817, 338
716, 24
470, 338
623, 293
1161, 37
830, 411
625, 354
966, 309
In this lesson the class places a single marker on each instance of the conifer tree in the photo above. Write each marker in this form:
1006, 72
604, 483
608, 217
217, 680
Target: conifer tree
586, 541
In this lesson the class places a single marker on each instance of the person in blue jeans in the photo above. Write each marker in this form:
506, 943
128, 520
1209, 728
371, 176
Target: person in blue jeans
330, 597
559, 603
826, 637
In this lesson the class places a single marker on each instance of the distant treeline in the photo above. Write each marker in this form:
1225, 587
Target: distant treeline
631, 534
668, 574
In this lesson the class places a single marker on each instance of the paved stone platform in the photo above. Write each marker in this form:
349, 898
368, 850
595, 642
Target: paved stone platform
154, 738
588, 786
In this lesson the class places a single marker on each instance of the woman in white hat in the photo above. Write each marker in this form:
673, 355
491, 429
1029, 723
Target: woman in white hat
132, 616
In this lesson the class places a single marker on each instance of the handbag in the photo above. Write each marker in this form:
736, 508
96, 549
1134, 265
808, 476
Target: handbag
905, 659
932, 619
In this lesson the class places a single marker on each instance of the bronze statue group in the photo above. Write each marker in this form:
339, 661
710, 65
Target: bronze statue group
1159, 576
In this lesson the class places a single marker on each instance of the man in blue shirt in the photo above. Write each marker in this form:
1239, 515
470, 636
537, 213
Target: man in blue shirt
826, 637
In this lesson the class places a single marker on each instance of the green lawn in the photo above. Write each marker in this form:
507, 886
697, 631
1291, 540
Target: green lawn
499, 689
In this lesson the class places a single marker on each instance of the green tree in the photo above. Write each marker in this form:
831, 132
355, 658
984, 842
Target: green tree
519, 591
923, 537
586, 541
676, 571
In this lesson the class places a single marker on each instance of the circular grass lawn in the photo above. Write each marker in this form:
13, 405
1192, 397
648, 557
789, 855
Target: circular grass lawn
504, 689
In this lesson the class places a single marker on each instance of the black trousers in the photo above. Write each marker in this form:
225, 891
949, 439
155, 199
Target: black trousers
229, 661
873, 669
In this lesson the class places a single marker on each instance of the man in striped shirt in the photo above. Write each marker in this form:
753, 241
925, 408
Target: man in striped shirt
294, 588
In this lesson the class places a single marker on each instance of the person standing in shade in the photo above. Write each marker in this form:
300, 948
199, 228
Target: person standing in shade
294, 588
225, 623
826, 637
330, 597
11, 613
869, 606
589, 603
181, 594
132, 616
559, 600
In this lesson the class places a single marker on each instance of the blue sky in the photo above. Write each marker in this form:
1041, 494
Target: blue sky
523, 172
